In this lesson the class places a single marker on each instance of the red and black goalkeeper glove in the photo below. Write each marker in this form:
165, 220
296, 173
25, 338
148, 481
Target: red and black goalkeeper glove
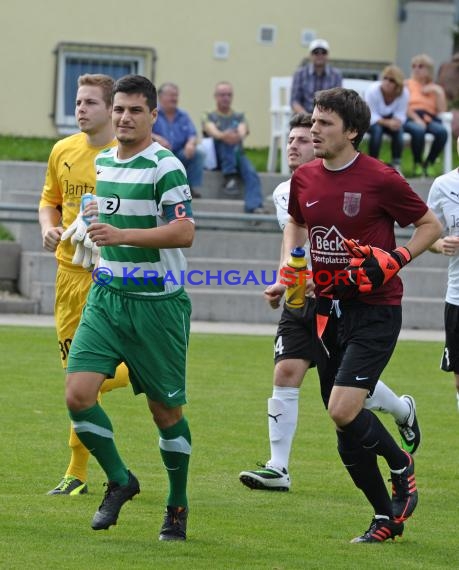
371, 267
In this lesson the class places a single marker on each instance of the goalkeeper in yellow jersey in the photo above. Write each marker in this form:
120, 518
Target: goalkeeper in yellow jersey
70, 175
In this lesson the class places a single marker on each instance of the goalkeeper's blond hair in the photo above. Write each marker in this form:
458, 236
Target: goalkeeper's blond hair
105, 82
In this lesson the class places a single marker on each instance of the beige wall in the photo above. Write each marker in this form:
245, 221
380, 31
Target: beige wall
183, 37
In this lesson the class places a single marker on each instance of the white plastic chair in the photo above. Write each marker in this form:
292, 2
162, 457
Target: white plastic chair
281, 112
359, 85
447, 120
207, 146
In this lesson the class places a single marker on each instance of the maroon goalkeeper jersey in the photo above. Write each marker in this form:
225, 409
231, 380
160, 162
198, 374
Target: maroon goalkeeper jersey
362, 202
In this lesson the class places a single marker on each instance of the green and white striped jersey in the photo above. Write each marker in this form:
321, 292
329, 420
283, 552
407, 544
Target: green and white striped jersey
142, 192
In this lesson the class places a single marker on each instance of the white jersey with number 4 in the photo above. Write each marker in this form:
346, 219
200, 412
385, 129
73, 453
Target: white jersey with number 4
443, 200
281, 197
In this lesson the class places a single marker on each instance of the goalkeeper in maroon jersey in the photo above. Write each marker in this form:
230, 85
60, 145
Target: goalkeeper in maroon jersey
350, 196
294, 348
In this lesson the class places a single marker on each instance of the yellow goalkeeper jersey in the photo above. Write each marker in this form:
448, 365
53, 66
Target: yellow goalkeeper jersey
70, 174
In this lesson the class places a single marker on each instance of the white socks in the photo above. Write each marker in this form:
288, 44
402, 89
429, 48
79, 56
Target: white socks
283, 417
384, 399
282, 422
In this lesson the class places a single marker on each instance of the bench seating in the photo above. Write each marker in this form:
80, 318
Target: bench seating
281, 112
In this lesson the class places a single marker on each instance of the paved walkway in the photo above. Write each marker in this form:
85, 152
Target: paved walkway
210, 327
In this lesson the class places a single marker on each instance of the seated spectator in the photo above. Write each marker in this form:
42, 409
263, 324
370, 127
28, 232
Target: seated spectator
175, 130
388, 102
426, 101
313, 76
448, 78
229, 129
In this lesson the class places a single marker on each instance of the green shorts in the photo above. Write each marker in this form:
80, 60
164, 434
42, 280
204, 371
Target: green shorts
149, 334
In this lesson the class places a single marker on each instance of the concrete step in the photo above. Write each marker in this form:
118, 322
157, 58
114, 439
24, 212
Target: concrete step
257, 274
421, 186
259, 244
423, 313
234, 274
13, 196
44, 293
209, 259
429, 259
424, 282
22, 175
249, 307
260, 222
244, 303
21, 179
28, 234
28, 177
224, 238
226, 244
225, 304
14, 303
36, 267
10, 255
225, 205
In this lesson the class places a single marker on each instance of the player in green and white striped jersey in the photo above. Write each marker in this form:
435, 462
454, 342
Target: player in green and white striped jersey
137, 317
148, 191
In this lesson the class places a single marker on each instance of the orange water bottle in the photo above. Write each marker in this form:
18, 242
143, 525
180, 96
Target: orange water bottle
295, 293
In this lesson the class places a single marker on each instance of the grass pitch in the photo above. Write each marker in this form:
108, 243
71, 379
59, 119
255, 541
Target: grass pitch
230, 527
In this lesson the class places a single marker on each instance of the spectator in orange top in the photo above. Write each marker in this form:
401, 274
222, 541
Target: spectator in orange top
427, 99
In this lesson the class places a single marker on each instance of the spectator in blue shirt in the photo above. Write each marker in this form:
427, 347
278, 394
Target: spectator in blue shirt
314, 76
175, 130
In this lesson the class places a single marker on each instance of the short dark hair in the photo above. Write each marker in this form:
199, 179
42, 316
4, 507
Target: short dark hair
137, 84
349, 106
301, 120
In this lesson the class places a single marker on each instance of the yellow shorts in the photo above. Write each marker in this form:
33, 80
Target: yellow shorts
72, 287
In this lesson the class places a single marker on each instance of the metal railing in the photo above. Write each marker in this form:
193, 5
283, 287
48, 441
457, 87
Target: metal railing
228, 221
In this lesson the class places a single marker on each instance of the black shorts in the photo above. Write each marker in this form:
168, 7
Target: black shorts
450, 358
296, 334
360, 343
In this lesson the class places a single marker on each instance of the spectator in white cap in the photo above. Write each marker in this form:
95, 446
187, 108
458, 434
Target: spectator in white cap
314, 76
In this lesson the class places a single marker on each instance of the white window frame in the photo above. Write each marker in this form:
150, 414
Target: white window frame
142, 60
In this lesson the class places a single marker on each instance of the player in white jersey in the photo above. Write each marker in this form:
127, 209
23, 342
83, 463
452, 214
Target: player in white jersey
444, 201
295, 352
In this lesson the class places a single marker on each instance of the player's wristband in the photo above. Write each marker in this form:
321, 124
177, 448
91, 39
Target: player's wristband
402, 255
